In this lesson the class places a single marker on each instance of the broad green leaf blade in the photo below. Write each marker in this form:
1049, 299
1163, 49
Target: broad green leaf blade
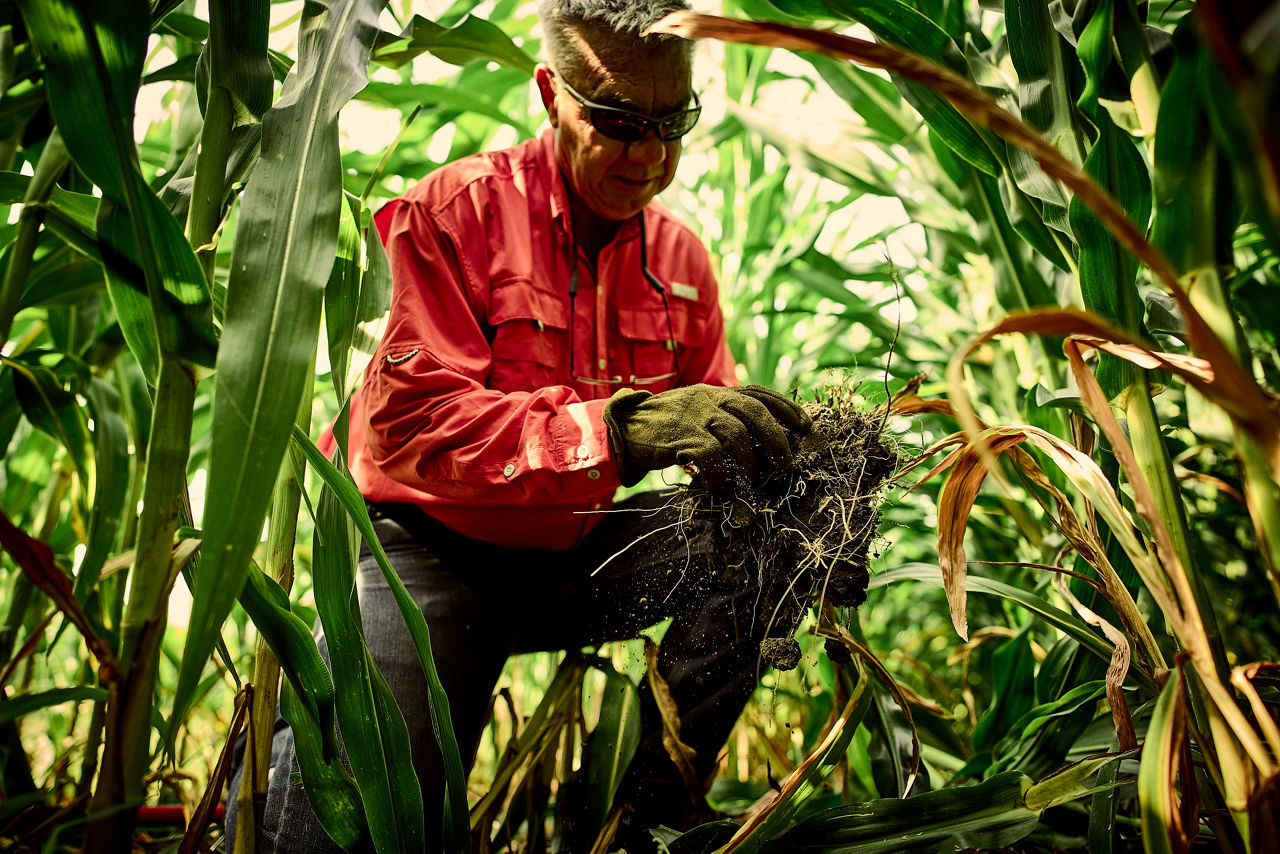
1107, 272
1185, 171
1158, 772
901, 24
611, 746
330, 789
287, 232
470, 39
267, 605
25, 704
375, 284
118, 250
1019, 284
111, 492
891, 745
1030, 741
456, 827
1044, 101
373, 729
1069, 624
1068, 784
444, 98
1014, 675
342, 296
111, 41
987, 816
51, 407
1104, 836
237, 50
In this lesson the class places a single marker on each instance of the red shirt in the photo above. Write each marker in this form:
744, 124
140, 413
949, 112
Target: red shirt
468, 408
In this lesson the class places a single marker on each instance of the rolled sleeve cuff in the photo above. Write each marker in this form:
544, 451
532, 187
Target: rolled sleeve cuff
582, 444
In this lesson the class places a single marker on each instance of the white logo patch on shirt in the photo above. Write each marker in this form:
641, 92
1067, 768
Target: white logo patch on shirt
680, 289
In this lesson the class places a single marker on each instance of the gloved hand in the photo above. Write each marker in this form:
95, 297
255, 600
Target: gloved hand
707, 429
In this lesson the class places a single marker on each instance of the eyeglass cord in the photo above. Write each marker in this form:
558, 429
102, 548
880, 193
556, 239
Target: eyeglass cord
644, 271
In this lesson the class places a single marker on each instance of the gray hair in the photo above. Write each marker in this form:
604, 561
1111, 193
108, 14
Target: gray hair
615, 25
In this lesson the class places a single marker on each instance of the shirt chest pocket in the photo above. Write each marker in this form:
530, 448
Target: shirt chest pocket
529, 329
650, 332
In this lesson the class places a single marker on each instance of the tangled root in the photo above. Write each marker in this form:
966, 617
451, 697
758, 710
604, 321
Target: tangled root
802, 536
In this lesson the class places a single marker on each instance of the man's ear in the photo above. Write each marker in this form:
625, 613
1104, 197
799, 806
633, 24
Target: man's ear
547, 89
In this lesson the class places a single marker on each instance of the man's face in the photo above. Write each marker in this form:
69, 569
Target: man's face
615, 180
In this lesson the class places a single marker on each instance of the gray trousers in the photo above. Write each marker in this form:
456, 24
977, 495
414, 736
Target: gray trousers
484, 603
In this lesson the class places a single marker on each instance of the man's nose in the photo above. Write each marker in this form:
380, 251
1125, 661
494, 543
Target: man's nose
648, 149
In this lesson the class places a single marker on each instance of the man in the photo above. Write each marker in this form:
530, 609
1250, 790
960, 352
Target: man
554, 335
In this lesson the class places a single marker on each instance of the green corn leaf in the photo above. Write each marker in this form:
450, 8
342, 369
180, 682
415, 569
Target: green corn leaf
445, 98
1185, 170
872, 97
1158, 768
471, 39
236, 48
891, 746
330, 789
1041, 738
53, 408
1030, 221
60, 278
986, 816
456, 827
902, 24
118, 251
1104, 837
25, 704
374, 732
111, 493
290, 639
1069, 624
189, 28
375, 284
286, 236
611, 746
182, 70
112, 42
1069, 784
1038, 56
1014, 674
1096, 50
1107, 272
342, 295
1019, 284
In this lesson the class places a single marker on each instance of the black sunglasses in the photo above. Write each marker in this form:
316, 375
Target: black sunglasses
627, 126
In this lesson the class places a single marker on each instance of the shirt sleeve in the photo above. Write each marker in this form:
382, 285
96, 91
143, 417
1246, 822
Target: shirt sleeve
431, 423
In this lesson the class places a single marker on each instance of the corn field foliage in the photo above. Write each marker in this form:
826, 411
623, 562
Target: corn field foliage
1039, 237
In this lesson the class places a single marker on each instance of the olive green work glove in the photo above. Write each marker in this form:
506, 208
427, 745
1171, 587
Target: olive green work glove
709, 430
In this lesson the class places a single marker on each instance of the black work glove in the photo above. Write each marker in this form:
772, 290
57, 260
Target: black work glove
707, 429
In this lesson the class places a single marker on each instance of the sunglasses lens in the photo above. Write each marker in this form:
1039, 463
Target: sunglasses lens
676, 126
618, 124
